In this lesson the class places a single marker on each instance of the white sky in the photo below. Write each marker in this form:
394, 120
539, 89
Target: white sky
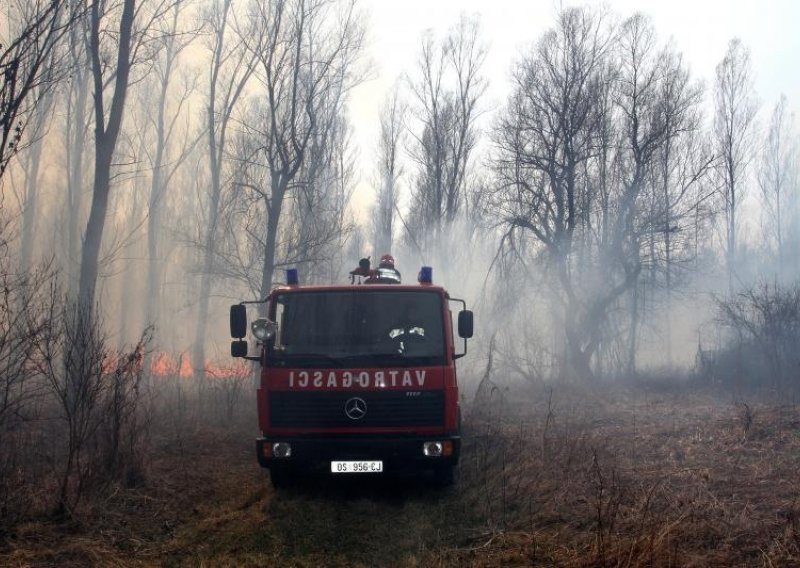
700, 29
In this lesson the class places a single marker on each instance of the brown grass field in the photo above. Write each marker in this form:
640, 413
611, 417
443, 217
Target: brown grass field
651, 475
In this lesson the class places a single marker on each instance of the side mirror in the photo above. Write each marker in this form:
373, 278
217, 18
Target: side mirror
465, 324
238, 322
238, 349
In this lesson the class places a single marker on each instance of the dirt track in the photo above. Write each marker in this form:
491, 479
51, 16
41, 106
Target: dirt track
321, 522
215, 506
657, 476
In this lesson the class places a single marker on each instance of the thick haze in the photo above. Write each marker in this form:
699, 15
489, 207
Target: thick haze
700, 30
611, 188
195, 221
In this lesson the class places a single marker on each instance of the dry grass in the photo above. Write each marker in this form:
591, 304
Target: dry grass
618, 476
634, 476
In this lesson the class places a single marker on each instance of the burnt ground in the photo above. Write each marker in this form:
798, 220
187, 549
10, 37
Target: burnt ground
620, 475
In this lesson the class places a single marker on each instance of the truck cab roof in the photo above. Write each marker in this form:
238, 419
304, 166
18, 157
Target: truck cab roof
360, 288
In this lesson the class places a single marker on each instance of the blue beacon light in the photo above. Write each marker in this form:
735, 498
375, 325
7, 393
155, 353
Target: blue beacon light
292, 279
426, 275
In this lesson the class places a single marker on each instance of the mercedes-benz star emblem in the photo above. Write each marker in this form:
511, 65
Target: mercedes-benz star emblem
355, 408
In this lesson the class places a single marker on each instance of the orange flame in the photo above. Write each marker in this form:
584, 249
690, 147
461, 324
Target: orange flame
165, 365
109, 363
162, 365
185, 366
239, 369
114, 363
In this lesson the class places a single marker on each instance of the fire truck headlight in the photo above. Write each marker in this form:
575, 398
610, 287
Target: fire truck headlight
263, 329
432, 449
282, 450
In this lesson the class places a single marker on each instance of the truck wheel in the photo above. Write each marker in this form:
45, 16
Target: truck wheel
444, 476
281, 477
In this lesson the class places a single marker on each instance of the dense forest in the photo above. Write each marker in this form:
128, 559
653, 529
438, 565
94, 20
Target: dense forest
616, 218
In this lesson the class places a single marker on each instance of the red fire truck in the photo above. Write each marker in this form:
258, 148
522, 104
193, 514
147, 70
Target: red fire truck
359, 378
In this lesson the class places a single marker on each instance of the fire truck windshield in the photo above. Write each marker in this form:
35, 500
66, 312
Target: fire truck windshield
358, 328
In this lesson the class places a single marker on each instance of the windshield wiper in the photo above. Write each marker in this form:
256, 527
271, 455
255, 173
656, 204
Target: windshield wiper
311, 358
372, 356
346, 359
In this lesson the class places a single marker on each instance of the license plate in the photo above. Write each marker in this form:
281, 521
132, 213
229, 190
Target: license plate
356, 466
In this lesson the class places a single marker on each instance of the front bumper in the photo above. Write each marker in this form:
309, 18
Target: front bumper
397, 453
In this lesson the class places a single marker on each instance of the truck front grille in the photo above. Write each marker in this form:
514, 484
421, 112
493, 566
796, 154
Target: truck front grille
383, 409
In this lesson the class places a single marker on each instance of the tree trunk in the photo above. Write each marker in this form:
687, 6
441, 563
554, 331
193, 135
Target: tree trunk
105, 144
31, 205
579, 358
90, 253
154, 262
130, 276
633, 339
668, 258
157, 189
732, 189
271, 237
75, 150
199, 350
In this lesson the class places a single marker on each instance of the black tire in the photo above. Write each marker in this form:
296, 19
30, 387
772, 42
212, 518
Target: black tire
444, 476
281, 477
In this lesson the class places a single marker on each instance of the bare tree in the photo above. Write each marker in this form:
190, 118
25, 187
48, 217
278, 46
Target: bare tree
578, 148
682, 207
76, 133
29, 200
230, 70
130, 220
77, 386
643, 131
28, 41
767, 317
165, 159
314, 223
792, 224
684, 161
317, 225
657, 102
388, 173
545, 140
107, 125
124, 34
98, 396
23, 320
778, 160
734, 116
307, 52
447, 92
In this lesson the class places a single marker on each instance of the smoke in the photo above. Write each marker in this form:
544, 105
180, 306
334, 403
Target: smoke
511, 286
